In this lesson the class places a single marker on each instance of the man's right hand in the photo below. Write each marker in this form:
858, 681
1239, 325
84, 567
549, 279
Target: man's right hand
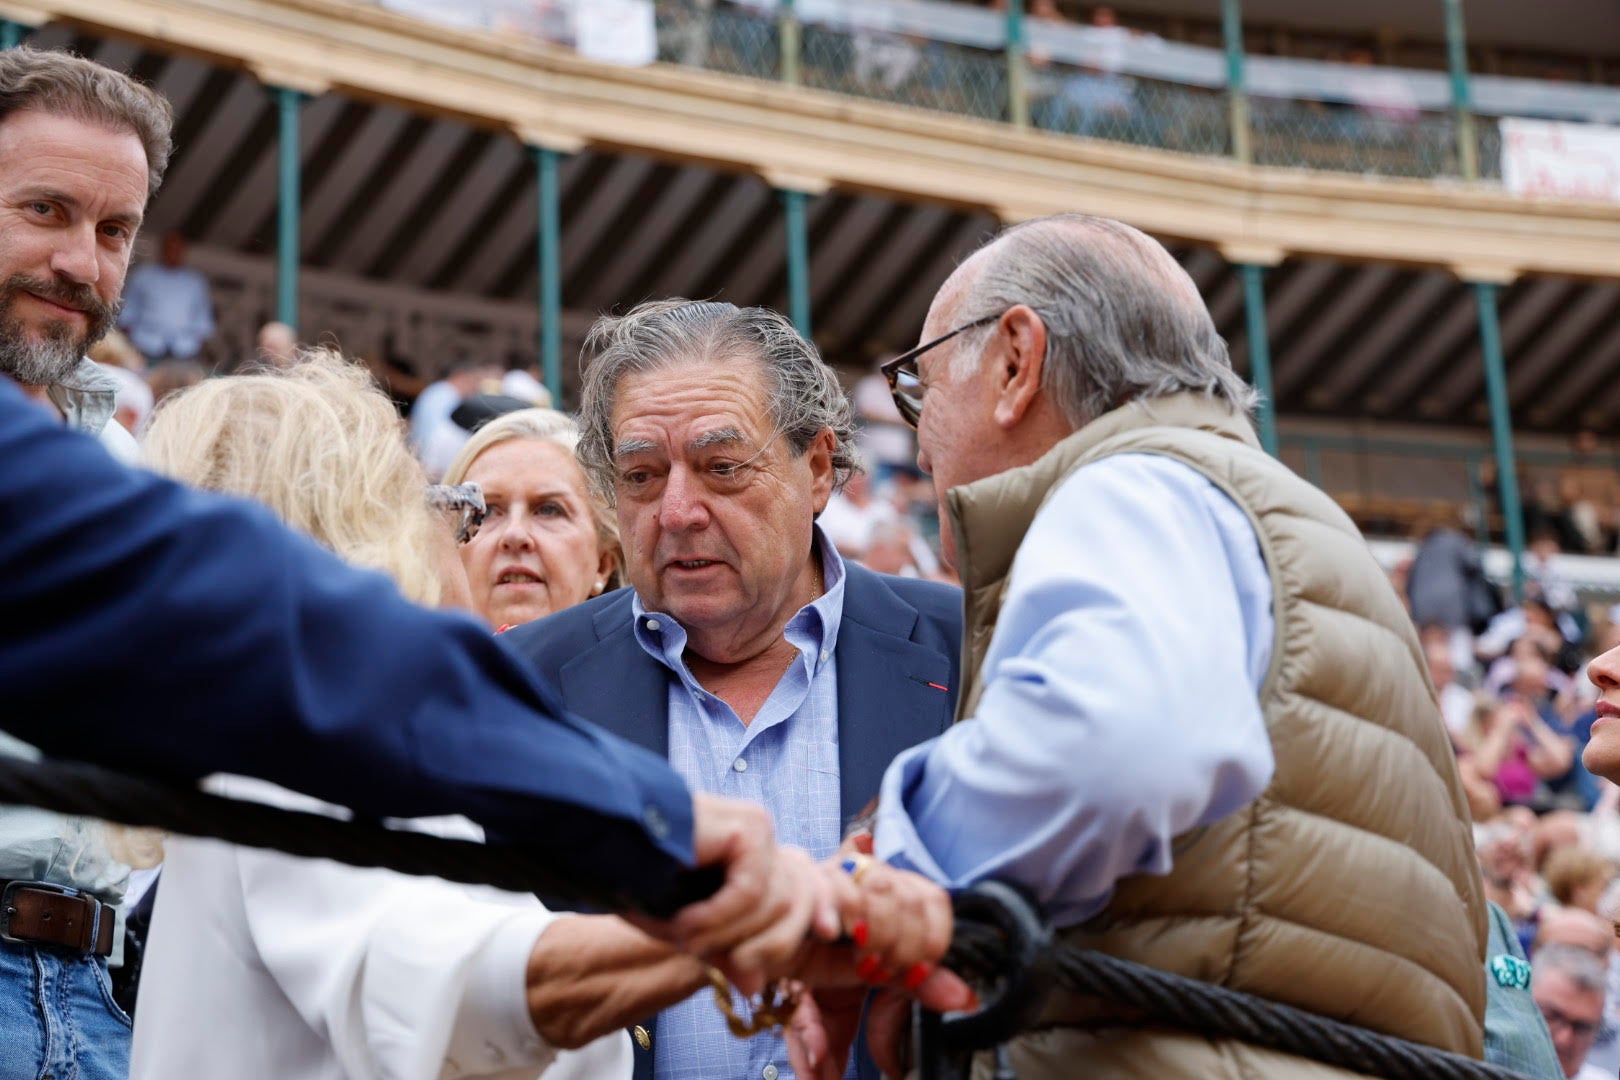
772, 899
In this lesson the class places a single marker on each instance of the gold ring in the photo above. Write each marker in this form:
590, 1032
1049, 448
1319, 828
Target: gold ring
856, 866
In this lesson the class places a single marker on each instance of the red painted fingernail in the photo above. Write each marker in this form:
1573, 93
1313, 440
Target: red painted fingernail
869, 970
860, 932
917, 975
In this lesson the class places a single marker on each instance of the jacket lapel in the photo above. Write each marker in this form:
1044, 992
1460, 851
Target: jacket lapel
616, 685
893, 693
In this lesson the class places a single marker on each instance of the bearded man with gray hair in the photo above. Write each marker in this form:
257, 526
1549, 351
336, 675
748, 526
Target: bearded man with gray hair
1196, 722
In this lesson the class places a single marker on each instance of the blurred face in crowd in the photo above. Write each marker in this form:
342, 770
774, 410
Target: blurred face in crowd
1574, 926
537, 551
1441, 670
1602, 753
278, 344
1573, 1016
71, 198
1530, 667
715, 507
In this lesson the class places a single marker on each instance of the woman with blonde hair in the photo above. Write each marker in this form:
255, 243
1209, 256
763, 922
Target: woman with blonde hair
261, 965
546, 542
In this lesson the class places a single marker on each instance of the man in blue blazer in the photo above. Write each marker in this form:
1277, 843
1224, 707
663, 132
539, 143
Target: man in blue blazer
746, 651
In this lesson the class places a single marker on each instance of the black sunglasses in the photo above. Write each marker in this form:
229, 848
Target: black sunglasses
904, 385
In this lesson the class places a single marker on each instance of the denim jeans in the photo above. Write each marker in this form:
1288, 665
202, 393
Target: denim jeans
58, 1020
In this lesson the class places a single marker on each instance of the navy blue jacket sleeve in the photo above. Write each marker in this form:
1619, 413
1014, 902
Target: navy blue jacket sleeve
165, 631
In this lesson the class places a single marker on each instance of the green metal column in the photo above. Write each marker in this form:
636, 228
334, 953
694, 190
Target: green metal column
798, 259
1507, 477
546, 162
11, 34
1237, 93
791, 35
1017, 66
287, 210
1462, 105
1254, 308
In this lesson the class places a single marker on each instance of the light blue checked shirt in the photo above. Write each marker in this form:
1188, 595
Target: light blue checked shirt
787, 762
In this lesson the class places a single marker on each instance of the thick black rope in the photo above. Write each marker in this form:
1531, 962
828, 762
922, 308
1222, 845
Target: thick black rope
1217, 1012
977, 950
76, 788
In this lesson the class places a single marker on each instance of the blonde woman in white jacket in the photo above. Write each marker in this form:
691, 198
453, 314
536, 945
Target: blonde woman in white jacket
261, 966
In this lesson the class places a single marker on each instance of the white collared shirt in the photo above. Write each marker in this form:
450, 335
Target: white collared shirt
1121, 696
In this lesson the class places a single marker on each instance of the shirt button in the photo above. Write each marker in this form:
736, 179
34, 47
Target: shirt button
769, 1073
741, 765
824, 655
654, 625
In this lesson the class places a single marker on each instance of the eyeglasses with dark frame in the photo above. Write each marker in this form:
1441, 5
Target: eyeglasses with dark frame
905, 386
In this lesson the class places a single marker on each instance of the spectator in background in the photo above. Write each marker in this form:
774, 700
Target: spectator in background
132, 403
1589, 488
1576, 927
438, 400
1446, 585
1577, 878
892, 548
1540, 567
547, 542
521, 381
1569, 985
1456, 700
1511, 746
1380, 94
168, 306
277, 344
885, 441
175, 375
114, 350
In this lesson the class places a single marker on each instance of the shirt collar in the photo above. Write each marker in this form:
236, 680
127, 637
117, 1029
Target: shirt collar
813, 628
87, 396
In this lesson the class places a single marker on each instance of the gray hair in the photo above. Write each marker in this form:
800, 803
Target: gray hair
1123, 319
1576, 964
803, 393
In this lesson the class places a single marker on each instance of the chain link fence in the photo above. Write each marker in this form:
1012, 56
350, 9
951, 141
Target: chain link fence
1360, 133
1127, 109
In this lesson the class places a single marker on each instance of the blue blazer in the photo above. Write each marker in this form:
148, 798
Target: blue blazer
171, 632
899, 641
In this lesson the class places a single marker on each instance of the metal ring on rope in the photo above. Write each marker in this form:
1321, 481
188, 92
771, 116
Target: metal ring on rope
988, 943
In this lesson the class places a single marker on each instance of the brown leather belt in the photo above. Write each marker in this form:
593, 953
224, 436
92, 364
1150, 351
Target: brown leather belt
39, 913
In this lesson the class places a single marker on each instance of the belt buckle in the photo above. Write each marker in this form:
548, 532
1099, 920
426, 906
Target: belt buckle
7, 910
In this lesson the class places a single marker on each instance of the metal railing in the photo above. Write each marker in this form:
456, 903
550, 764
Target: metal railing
1105, 84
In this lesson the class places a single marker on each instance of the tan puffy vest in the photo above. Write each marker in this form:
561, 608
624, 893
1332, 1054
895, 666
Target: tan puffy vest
1349, 888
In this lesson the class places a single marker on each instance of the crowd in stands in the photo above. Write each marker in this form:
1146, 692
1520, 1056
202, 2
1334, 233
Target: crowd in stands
1519, 706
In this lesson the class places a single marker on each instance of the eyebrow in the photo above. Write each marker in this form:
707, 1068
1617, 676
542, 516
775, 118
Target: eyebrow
634, 446
721, 437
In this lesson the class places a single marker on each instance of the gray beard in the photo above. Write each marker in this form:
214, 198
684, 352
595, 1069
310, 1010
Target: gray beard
38, 363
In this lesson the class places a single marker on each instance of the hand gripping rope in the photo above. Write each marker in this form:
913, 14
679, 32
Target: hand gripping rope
1000, 942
